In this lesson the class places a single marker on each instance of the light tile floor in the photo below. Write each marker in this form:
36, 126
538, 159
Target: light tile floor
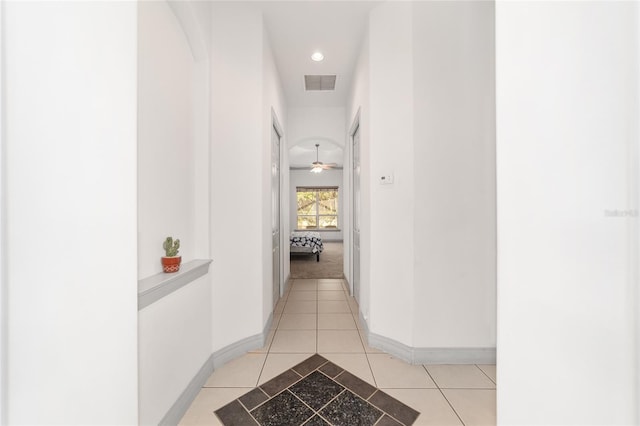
318, 316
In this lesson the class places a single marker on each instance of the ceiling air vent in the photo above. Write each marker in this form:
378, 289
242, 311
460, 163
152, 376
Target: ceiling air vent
319, 82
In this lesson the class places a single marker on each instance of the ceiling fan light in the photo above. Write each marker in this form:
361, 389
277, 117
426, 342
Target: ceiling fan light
316, 166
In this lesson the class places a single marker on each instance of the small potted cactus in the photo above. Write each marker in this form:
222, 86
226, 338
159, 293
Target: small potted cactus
171, 262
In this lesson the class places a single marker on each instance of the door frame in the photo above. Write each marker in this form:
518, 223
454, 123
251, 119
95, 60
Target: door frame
3, 249
355, 125
275, 124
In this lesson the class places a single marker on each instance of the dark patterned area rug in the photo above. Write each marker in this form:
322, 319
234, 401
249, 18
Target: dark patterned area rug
316, 392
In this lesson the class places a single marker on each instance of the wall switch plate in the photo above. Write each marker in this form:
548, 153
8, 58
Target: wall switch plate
386, 179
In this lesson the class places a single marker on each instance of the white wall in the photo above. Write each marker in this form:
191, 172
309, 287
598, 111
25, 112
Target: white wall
70, 204
634, 234
391, 151
273, 109
424, 87
175, 332
201, 12
454, 161
316, 123
567, 104
195, 22
358, 109
236, 198
244, 87
166, 137
326, 178
3, 247
175, 342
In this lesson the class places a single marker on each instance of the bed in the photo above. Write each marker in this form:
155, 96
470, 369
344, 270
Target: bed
306, 243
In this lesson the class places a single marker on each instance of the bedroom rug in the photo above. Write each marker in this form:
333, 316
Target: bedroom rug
330, 265
316, 392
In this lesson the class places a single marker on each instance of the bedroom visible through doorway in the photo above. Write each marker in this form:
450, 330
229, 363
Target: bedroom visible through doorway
317, 197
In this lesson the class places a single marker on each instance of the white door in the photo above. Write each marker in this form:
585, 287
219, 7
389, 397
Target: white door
356, 214
275, 211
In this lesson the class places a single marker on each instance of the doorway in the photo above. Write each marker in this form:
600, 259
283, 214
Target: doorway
355, 209
316, 208
276, 135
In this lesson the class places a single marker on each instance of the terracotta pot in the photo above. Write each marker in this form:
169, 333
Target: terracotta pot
171, 264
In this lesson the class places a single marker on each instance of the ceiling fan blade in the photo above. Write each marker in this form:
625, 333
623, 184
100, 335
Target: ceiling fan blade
319, 165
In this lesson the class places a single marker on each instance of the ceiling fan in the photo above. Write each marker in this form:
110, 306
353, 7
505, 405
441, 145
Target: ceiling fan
318, 166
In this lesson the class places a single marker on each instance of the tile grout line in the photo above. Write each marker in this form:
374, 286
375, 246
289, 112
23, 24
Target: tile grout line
366, 354
443, 395
286, 300
471, 389
229, 387
264, 363
317, 412
384, 413
275, 331
483, 372
345, 389
245, 407
313, 410
375, 382
436, 388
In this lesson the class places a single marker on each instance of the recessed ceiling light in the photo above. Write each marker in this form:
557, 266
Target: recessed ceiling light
317, 56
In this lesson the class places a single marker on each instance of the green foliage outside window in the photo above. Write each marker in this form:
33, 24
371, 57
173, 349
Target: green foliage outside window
317, 208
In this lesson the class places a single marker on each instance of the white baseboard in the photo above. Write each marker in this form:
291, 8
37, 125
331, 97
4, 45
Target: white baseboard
454, 356
215, 361
418, 356
241, 347
390, 346
182, 404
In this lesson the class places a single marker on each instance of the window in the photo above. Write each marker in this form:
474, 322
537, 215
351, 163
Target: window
317, 207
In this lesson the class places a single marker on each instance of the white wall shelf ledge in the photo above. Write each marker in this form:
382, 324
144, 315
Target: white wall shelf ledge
155, 287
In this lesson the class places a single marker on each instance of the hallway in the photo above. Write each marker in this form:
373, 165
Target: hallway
496, 170
318, 316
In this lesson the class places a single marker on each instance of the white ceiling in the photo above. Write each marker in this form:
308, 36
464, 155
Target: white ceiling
296, 29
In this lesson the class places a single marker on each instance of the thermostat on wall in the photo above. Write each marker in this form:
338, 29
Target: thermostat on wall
386, 179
